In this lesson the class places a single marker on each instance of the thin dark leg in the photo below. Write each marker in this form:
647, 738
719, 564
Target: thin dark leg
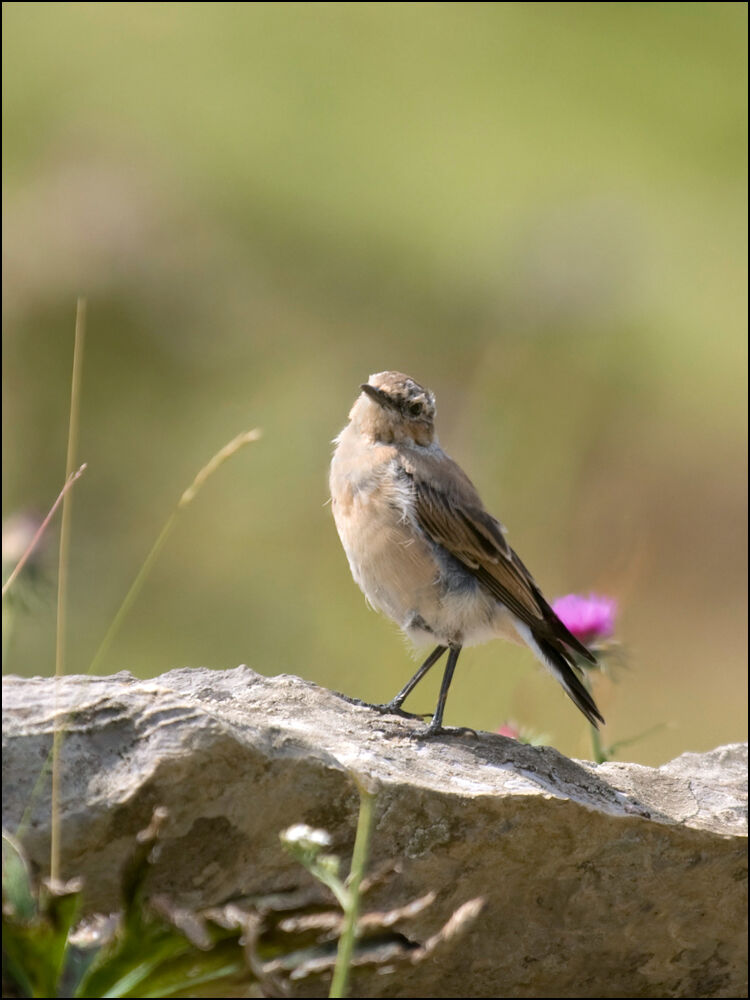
437, 720
394, 705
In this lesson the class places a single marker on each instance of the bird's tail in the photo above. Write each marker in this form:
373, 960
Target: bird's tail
560, 664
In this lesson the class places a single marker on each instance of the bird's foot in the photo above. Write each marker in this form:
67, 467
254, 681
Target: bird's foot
393, 708
440, 730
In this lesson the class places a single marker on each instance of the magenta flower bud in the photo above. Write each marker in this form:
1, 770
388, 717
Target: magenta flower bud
589, 618
510, 730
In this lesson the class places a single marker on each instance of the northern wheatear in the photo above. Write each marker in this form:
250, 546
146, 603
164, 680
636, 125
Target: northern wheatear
424, 550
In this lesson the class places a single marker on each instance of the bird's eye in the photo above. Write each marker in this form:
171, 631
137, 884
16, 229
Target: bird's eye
415, 409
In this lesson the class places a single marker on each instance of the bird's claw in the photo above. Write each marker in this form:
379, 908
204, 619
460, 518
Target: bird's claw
432, 730
393, 709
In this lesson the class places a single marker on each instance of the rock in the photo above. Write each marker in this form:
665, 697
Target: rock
599, 881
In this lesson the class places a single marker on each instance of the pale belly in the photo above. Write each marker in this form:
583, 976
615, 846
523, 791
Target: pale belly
403, 575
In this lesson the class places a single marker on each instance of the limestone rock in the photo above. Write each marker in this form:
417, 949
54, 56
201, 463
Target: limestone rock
599, 881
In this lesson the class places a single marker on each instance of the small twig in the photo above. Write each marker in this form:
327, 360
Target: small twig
42, 528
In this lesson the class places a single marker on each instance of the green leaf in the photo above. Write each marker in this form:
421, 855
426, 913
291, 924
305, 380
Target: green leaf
17, 891
34, 950
160, 950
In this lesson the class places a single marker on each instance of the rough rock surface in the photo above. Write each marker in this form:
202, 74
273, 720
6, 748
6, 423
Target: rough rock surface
599, 881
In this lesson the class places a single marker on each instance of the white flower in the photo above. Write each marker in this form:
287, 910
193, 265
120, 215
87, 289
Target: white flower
306, 837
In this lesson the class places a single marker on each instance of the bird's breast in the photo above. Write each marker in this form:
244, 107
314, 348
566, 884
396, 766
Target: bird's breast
401, 571
390, 558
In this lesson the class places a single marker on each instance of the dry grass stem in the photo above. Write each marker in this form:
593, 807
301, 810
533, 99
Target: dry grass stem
41, 529
62, 575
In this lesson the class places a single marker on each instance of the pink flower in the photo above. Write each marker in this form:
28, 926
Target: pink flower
509, 730
588, 618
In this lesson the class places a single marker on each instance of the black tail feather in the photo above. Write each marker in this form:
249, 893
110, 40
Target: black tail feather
560, 665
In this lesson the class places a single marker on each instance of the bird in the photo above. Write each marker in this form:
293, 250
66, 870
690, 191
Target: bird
425, 551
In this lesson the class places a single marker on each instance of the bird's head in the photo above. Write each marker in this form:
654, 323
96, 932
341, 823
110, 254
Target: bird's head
392, 407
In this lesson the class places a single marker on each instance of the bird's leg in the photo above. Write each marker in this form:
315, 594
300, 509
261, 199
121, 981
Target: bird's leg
394, 705
436, 726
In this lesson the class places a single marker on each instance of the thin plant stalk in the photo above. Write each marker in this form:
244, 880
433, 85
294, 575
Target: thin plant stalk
598, 751
351, 909
189, 494
62, 578
41, 529
600, 755
187, 497
616, 747
603, 755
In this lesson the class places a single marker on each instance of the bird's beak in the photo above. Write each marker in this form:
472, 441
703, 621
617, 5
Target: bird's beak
376, 395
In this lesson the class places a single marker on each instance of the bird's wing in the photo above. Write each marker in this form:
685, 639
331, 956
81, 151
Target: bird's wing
450, 511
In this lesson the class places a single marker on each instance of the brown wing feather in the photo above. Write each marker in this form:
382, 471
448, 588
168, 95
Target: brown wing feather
455, 519
464, 533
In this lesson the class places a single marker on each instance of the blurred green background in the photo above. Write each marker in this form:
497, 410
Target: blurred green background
537, 210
